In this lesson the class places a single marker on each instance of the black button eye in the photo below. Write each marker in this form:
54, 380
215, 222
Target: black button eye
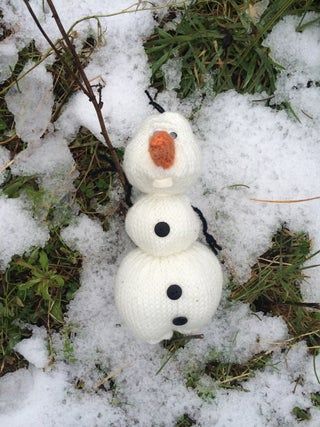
174, 135
162, 229
179, 321
174, 292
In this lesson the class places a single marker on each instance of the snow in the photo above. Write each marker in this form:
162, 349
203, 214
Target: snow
87, 237
19, 231
172, 73
269, 395
14, 388
8, 58
231, 142
297, 51
250, 151
31, 102
46, 156
34, 349
51, 160
120, 72
4, 159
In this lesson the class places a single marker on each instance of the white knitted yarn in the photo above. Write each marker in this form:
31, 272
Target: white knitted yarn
142, 172
171, 283
175, 211
141, 291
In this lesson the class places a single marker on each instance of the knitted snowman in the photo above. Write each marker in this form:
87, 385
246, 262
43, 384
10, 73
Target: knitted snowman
170, 282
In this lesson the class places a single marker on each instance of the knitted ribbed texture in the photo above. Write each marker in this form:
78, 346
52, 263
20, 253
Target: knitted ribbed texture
176, 211
141, 170
141, 291
171, 282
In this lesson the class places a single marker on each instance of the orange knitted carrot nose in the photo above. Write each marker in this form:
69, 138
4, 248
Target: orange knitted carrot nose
162, 149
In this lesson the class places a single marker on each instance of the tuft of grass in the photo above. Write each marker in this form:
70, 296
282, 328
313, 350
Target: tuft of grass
174, 344
36, 289
64, 82
96, 177
46, 206
274, 286
68, 348
185, 421
220, 45
224, 374
301, 414
232, 375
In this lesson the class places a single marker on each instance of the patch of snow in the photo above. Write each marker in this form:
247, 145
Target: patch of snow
54, 404
34, 349
269, 396
172, 73
87, 237
8, 58
4, 158
46, 156
228, 335
299, 53
121, 72
51, 160
19, 231
251, 151
31, 102
14, 389
296, 51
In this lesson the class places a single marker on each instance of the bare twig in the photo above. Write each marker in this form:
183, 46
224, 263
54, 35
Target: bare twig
314, 305
53, 46
308, 199
92, 98
86, 87
6, 165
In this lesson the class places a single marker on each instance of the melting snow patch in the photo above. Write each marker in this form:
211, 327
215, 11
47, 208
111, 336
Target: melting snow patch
4, 158
34, 349
251, 151
18, 230
8, 58
294, 50
31, 102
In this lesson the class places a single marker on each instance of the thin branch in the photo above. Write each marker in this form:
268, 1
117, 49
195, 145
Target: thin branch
92, 98
314, 305
286, 201
86, 87
53, 46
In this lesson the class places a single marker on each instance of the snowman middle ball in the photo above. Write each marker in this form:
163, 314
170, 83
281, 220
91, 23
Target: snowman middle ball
162, 224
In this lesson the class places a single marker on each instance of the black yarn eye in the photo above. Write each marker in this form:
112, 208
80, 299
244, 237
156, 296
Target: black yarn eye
174, 135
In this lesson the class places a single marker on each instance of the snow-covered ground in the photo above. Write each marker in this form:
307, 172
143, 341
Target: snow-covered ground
243, 142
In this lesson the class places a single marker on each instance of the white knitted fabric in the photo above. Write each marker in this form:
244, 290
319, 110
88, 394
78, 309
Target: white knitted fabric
141, 291
171, 282
175, 211
142, 172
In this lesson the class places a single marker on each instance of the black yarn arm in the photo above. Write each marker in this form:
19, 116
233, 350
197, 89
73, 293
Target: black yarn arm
209, 238
154, 103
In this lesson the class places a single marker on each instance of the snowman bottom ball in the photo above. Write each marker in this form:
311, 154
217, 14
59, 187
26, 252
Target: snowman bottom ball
158, 295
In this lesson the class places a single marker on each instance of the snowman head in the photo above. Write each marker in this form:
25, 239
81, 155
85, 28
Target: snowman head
163, 156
